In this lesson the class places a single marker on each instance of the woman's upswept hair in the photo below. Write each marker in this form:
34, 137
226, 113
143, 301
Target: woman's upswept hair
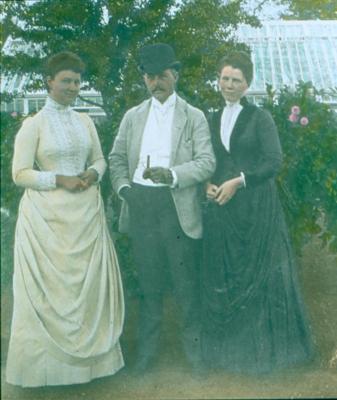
64, 61
239, 60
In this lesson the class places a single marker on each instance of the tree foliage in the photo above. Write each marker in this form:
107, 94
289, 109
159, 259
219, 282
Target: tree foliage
107, 34
10, 195
294, 9
313, 9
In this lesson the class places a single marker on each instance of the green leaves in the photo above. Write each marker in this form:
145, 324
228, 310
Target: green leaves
107, 34
308, 181
313, 9
10, 194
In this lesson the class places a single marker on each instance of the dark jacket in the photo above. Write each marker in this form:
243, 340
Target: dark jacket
255, 148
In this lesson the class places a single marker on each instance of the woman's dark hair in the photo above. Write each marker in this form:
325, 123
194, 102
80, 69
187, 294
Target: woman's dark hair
239, 60
64, 61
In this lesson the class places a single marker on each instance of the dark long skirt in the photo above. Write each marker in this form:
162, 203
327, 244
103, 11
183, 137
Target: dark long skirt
253, 316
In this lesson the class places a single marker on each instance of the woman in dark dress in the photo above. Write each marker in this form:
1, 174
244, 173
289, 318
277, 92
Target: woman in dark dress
253, 314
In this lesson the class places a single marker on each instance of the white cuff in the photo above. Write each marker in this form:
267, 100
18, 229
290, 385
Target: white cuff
120, 188
46, 180
243, 179
175, 179
99, 176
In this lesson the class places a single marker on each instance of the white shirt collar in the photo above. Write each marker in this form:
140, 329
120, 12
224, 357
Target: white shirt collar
168, 103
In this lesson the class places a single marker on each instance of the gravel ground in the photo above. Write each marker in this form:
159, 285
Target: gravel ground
171, 377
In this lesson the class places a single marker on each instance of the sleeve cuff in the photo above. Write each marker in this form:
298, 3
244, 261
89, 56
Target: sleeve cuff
243, 179
99, 176
46, 180
175, 179
120, 188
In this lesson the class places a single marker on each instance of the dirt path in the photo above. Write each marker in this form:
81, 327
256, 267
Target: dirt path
172, 378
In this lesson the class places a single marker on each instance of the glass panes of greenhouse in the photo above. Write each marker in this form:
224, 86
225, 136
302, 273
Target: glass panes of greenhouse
302, 62
18, 105
79, 102
35, 104
7, 107
285, 52
287, 72
6, 83
326, 62
267, 64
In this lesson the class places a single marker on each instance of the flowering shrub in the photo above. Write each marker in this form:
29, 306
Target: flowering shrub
295, 116
295, 110
10, 194
304, 121
308, 181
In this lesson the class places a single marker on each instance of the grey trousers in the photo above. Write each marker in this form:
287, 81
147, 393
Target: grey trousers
161, 249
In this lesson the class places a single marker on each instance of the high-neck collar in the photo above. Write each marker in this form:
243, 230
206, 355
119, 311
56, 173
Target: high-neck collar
243, 101
53, 105
230, 104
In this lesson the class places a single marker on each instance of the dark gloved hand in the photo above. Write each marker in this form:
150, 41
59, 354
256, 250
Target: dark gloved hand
158, 175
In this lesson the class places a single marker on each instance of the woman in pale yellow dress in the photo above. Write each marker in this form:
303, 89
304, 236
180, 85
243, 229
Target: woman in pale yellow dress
68, 298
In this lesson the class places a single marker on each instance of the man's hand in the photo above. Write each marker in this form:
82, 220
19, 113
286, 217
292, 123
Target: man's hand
158, 175
211, 191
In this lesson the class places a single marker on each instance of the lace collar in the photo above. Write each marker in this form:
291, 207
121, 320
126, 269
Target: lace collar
52, 105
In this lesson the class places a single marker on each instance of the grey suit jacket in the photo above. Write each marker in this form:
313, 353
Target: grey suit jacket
192, 159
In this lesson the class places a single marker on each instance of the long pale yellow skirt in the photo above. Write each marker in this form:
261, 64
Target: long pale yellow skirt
68, 297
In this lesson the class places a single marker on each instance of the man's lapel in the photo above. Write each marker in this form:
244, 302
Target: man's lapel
138, 123
178, 125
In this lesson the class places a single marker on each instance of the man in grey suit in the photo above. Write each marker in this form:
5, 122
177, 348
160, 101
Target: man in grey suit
160, 158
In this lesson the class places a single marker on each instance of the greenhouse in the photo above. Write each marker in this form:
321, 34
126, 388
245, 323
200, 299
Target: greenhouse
286, 52
33, 101
283, 52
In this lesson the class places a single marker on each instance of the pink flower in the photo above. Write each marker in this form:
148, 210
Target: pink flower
295, 110
14, 114
293, 118
304, 121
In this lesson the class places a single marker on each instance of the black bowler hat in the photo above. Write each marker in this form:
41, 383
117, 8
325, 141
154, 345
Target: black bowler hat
155, 58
